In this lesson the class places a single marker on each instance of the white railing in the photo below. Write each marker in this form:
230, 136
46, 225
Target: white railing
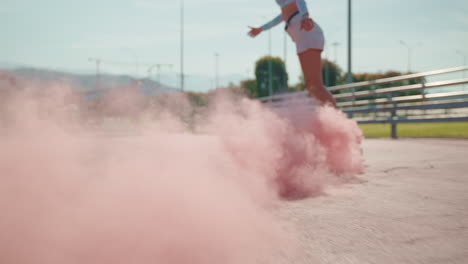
382, 105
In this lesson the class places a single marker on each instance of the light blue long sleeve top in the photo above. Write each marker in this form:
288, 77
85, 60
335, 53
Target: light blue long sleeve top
301, 6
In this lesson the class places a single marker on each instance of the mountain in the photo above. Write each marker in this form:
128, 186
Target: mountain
88, 81
4, 65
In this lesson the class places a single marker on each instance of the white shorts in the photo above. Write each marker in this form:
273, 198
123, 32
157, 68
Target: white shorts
305, 39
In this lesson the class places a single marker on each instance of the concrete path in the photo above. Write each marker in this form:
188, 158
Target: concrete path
412, 207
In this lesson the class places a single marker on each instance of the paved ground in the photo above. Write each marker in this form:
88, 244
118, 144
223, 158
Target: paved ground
411, 208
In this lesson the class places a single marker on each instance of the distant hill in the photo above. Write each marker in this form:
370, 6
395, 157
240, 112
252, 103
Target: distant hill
88, 82
9, 65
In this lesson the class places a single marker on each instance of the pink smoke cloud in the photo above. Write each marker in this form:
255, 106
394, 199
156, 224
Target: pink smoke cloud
169, 183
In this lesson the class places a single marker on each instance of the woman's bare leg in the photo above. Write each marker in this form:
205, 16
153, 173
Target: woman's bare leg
311, 63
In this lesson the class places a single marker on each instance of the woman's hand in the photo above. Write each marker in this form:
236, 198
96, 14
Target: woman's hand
307, 24
254, 31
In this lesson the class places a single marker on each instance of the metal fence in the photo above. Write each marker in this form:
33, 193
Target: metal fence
404, 99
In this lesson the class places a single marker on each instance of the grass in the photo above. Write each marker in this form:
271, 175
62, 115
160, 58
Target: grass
421, 130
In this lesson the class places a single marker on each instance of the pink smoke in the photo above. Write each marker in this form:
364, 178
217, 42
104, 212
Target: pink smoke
124, 180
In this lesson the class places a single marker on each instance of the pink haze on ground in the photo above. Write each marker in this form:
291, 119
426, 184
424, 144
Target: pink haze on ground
152, 182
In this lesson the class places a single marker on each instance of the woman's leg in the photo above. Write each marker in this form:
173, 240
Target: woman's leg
311, 63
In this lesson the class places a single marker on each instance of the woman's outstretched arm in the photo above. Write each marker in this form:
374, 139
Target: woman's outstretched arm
275, 21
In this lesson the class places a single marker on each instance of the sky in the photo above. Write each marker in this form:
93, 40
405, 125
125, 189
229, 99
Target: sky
131, 35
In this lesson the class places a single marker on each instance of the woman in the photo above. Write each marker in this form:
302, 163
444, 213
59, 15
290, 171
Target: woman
309, 40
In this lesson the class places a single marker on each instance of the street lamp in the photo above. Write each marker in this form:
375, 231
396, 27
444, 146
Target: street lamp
135, 57
409, 54
463, 56
464, 64
335, 47
410, 50
98, 63
285, 53
158, 67
349, 78
182, 45
216, 70
270, 66
327, 64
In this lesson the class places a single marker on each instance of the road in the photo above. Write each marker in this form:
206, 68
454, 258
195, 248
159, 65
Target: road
411, 207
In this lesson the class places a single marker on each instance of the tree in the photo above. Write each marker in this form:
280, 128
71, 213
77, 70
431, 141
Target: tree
250, 88
330, 73
279, 76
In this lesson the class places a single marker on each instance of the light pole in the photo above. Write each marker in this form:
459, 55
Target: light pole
216, 70
349, 78
335, 47
149, 78
410, 52
464, 64
264, 76
327, 66
136, 59
182, 45
463, 57
158, 68
335, 50
285, 46
270, 66
98, 63
285, 53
